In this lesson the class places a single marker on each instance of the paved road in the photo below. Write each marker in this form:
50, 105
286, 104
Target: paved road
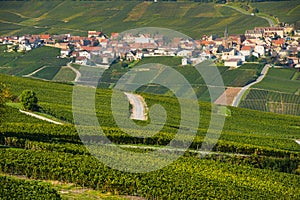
262, 75
40, 117
138, 106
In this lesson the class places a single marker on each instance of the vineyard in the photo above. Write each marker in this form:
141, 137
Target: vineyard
280, 80
255, 157
191, 18
271, 101
20, 64
12, 188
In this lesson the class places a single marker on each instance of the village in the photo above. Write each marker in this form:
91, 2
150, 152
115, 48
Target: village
281, 44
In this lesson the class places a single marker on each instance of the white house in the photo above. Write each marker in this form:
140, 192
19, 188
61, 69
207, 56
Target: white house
246, 51
64, 52
24, 47
184, 61
260, 50
226, 53
185, 53
233, 63
84, 54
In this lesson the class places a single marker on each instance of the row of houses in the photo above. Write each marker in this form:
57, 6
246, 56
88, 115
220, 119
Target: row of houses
281, 43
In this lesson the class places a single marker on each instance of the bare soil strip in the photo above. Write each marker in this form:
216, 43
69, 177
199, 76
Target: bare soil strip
228, 96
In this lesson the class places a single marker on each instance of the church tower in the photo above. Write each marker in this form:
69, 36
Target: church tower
226, 42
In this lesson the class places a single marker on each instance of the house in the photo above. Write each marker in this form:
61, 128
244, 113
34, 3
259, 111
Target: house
246, 50
63, 45
254, 33
233, 63
134, 55
249, 42
260, 50
293, 60
95, 49
85, 54
114, 36
279, 42
271, 31
218, 41
184, 61
81, 60
45, 36
94, 34
226, 53
65, 52
185, 53
24, 47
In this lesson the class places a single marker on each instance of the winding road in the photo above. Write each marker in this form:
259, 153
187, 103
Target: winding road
78, 74
271, 23
138, 106
239, 96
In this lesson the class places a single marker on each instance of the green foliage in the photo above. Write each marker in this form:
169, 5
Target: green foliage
13, 188
270, 101
286, 11
191, 18
4, 94
26, 63
47, 73
29, 100
55, 151
179, 180
65, 75
280, 80
13, 116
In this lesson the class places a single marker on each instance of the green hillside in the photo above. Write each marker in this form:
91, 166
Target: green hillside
193, 19
257, 156
20, 64
59, 104
278, 92
286, 11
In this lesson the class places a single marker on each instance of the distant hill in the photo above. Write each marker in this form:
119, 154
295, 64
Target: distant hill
191, 18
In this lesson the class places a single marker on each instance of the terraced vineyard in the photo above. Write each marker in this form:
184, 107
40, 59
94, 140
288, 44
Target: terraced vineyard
257, 146
19, 64
191, 18
278, 92
272, 101
286, 11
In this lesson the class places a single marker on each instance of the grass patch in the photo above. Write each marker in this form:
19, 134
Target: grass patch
65, 75
47, 73
280, 80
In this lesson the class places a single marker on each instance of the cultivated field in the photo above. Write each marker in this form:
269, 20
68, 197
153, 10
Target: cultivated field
193, 19
257, 146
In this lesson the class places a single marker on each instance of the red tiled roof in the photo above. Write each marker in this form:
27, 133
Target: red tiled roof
246, 48
88, 48
279, 41
47, 36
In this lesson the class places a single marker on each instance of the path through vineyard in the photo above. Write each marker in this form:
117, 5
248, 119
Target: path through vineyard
139, 107
40, 117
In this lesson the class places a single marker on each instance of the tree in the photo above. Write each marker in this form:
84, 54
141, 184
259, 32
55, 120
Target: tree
4, 94
29, 100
